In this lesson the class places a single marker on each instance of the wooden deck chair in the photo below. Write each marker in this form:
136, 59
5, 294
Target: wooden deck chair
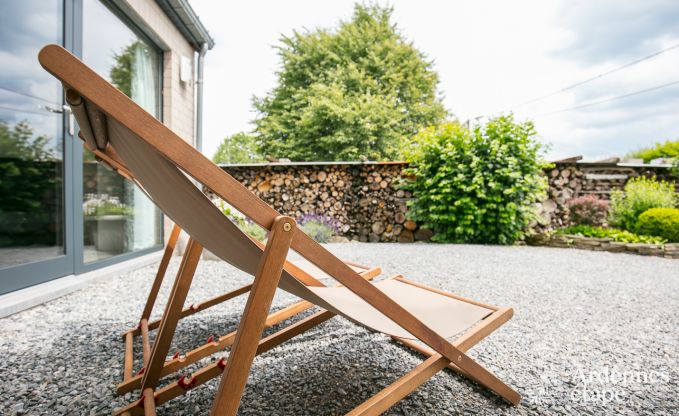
161, 163
301, 269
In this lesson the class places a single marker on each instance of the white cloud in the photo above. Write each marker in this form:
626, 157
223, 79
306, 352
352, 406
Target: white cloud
490, 55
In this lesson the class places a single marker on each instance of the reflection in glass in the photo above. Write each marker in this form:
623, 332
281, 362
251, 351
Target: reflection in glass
118, 217
31, 142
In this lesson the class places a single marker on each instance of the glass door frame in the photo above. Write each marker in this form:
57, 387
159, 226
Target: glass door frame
72, 261
79, 265
29, 274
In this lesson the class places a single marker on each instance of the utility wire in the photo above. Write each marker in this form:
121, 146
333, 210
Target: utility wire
42, 113
603, 74
28, 95
607, 100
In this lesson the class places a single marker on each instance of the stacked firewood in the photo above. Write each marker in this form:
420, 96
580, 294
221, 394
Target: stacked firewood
571, 180
365, 202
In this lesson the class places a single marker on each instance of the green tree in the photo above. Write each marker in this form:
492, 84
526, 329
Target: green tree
238, 148
476, 186
121, 71
342, 94
18, 142
30, 184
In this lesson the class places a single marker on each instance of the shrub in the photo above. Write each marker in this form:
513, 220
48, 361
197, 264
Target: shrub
669, 149
662, 222
588, 210
245, 225
476, 186
621, 236
318, 227
640, 195
238, 148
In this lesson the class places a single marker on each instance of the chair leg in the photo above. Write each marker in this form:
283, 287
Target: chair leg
254, 317
172, 313
160, 275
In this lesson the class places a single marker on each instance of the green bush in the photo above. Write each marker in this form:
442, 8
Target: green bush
476, 186
669, 149
640, 195
245, 225
662, 222
621, 236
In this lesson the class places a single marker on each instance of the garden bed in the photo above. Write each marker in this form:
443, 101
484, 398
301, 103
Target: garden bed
670, 250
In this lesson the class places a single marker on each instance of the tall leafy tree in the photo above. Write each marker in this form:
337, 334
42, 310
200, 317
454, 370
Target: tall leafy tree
237, 148
348, 93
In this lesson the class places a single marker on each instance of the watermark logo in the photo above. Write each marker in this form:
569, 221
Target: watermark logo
593, 386
610, 385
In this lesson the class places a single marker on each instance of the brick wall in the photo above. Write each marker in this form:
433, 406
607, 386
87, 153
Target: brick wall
177, 95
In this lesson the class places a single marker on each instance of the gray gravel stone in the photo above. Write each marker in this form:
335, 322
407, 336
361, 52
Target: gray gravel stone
593, 333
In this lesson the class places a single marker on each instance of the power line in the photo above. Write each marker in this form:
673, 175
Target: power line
607, 100
42, 113
603, 74
28, 95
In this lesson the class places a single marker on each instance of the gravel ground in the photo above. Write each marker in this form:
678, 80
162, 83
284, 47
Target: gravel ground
593, 333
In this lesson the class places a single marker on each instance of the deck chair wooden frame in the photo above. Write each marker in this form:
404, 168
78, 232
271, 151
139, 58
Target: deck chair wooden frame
213, 345
104, 114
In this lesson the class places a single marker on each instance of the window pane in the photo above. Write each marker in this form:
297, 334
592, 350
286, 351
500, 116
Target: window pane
31, 142
118, 217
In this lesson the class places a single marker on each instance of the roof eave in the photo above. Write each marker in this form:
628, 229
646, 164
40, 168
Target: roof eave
185, 19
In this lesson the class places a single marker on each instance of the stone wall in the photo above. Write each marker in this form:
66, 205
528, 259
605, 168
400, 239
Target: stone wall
571, 180
367, 204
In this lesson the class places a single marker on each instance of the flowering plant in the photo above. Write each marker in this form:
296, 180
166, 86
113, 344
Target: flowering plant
98, 205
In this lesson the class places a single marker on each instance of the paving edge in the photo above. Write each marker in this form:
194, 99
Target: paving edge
668, 250
20, 300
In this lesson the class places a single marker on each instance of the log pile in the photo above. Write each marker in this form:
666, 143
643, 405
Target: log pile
571, 180
363, 200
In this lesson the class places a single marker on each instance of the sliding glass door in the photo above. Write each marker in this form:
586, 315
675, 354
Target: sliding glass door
61, 212
118, 218
34, 236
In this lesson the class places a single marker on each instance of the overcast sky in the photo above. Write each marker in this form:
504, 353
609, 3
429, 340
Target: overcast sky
491, 56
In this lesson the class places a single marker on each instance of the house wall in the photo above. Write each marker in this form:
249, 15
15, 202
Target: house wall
178, 96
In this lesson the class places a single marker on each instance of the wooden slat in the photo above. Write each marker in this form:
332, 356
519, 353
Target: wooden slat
386, 398
145, 343
129, 357
173, 309
160, 274
149, 402
203, 375
206, 350
78, 109
98, 125
444, 293
252, 323
225, 341
393, 393
197, 307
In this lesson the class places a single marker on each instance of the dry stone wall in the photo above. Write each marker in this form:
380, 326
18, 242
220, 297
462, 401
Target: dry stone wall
572, 180
367, 204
